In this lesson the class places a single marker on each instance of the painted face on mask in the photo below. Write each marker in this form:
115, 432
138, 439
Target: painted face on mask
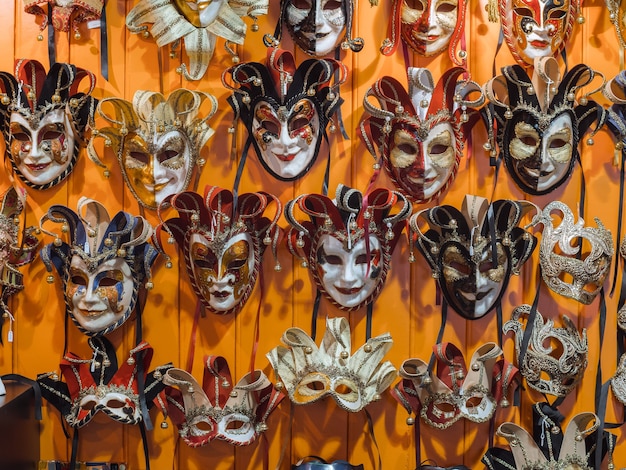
539, 28
223, 275
541, 161
428, 25
473, 285
100, 298
316, 25
44, 152
422, 167
157, 169
287, 138
200, 13
344, 274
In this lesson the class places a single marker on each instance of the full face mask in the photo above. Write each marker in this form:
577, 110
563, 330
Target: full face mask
285, 109
535, 29
157, 140
555, 359
198, 24
65, 14
473, 252
539, 121
317, 26
429, 27
575, 259
15, 250
420, 134
103, 263
223, 239
44, 118
347, 243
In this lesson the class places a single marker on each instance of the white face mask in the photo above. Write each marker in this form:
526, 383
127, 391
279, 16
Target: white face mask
100, 298
223, 276
423, 168
343, 273
428, 25
316, 25
288, 138
542, 161
43, 153
157, 169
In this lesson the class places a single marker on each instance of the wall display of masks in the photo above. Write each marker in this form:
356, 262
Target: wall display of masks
316, 233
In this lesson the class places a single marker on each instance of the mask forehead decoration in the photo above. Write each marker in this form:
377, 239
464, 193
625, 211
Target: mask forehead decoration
15, 250
549, 446
102, 262
347, 242
157, 140
100, 384
429, 27
316, 26
561, 256
220, 408
453, 391
223, 238
65, 14
309, 372
419, 134
535, 29
548, 368
286, 109
473, 251
198, 24
539, 121
44, 119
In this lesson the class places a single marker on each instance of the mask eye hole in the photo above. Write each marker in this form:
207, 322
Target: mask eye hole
298, 124
485, 266
167, 155
446, 7
334, 260
415, 4
270, 126
302, 4
204, 426
79, 280
343, 389
407, 148
107, 282
115, 404
235, 425
523, 12
51, 135
528, 140
461, 268
21, 136
438, 149
332, 5
236, 264
361, 259
556, 14
207, 261
316, 385
557, 144
88, 405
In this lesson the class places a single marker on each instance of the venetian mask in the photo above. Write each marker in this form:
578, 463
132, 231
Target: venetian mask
348, 262
539, 122
157, 140
537, 28
420, 133
196, 24
64, 13
44, 120
473, 252
103, 263
285, 109
223, 239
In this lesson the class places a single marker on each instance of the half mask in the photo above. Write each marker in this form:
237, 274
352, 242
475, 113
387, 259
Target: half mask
102, 262
309, 373
347, 242
555, 359
549, 447
223, 238
575, 259
473, 252
100, 384
538, 122
157, 140
65, 14
15, 250
285, 109
535, 29
220, 409
429, 27
317, 26
453, 391
198, 24
420, 134
44, 118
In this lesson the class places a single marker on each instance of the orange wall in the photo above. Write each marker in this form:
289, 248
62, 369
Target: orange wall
406, 306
